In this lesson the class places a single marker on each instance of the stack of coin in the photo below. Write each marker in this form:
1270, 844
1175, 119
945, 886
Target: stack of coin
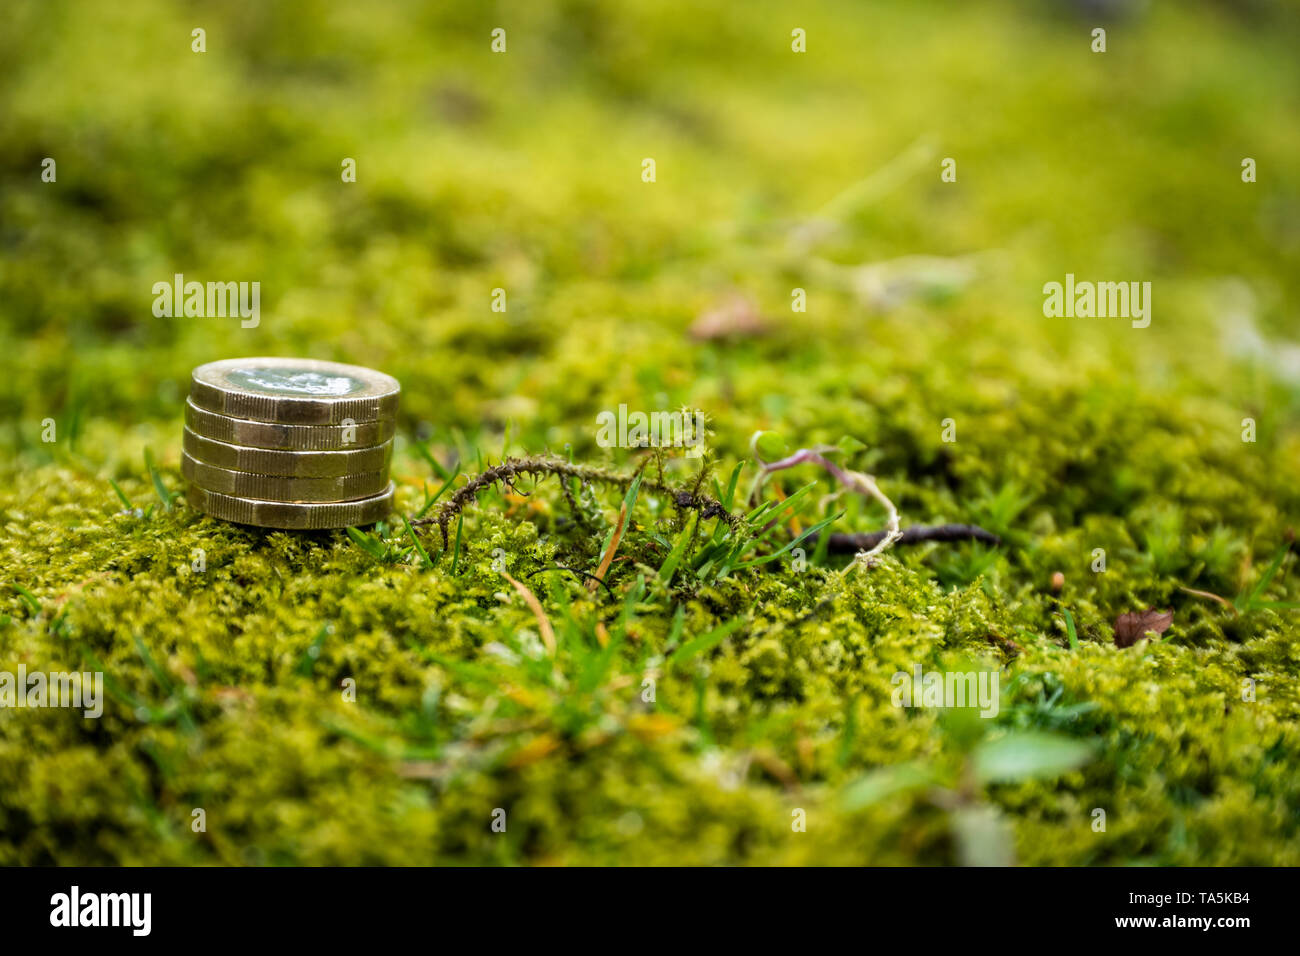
290, 443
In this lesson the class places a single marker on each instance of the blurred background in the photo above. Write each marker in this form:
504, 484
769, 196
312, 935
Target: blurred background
522, 171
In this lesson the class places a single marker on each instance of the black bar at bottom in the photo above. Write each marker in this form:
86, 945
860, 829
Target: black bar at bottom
331, 906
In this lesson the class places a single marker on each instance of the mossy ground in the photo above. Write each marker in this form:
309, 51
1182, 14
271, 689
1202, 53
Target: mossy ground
522, 171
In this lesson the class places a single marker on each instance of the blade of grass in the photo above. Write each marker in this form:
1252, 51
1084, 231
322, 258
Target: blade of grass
158, 485
1265, 580
419, 548
438, 494
28, 597
729, 498
794, 542
543, 622
629, 502
616, 533
368, 544
676, 627
781, 507
126, 502
455, 558
1069, 629
307, 663
705, 642
669, 567
164, 682
423, 452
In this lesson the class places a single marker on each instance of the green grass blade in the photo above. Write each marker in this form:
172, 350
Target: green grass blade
422, 450
419, 548
705, 642
29, 598
307, 662
121, 496
368, 544
779, 508
669, 567
793, 543
158, 485
1265, 580
1069, 629
455, 558
629, 500
729, 498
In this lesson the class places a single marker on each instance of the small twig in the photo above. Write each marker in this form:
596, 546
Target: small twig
856, 481
510, 469
865, 546
1213, 597
916, 534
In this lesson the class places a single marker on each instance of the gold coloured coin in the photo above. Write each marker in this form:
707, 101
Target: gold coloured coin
243, 431
292, 516
289, 464
291, 391
244, 484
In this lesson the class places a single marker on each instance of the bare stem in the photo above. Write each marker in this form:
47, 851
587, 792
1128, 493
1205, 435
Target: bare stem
538, 467
865, 546
857, 481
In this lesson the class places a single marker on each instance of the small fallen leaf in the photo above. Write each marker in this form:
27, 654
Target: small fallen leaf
1131, 628
736, 318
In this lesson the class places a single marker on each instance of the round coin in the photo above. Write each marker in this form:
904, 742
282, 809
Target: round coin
243, 431
290, 464
291, 391
291, 516
245, 484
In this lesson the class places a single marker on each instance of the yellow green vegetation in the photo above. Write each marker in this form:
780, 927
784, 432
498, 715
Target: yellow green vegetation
351, 697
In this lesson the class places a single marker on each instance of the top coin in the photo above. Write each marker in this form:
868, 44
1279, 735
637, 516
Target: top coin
293, 391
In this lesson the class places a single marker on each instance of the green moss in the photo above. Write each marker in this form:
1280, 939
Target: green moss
228, 685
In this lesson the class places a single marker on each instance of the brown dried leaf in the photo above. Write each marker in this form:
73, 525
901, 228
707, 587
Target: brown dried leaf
736, 318
1131, 628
